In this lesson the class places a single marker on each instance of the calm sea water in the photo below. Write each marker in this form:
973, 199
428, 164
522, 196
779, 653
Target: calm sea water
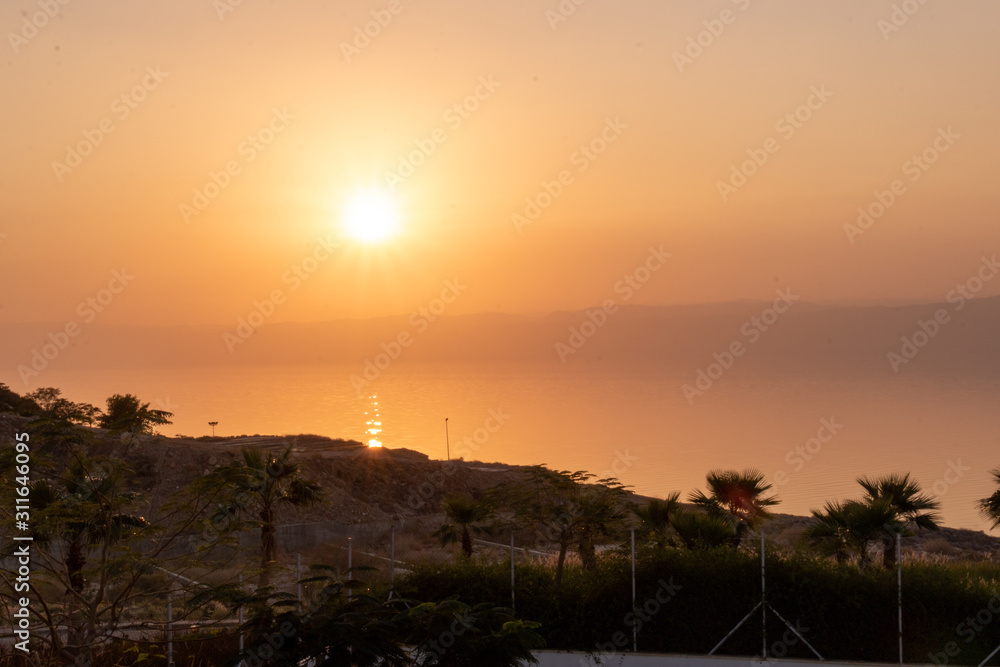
636, 424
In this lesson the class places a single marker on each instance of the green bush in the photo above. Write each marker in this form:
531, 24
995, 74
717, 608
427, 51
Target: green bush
846, 613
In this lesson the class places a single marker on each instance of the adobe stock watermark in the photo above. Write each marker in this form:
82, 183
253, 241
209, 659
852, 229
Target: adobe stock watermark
953, 474
166, 404
121, 108
621, 464
915, 167
456, 114
968, 630
364, 35
696, 44
927, 330
59, 340
581, 158
634, 620
626, 288
247, 152
269, 646
469, 444
899, 17
753, 329
225, 7
791, 637
801, 454
420, 320
563, 11
295, 276
481, 435
786, 126
33, 24
438, 648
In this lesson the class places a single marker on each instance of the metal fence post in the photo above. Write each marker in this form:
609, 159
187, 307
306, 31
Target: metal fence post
512, 569
635, 630
241, 619
170, 630
899, 590
763, 598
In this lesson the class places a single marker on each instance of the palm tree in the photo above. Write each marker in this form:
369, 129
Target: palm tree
699, 530
127, 413
656, 517
911, 508
736, 497
600, 511
262, 483
989, 507
465, 517
850, 527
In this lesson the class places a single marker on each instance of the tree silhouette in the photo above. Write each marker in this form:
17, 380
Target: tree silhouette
55, 407
700, 530
566, 510
80, 516
260, 484
910, 509
736, 497
601, 511
989, 507
465, 516
126, 413
656, 518
852, 527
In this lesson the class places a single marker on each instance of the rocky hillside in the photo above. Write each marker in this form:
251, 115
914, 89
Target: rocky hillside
363, 485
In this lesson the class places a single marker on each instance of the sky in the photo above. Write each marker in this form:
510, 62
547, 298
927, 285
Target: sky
741, 136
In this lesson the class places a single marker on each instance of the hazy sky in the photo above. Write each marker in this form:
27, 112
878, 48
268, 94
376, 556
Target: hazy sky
183, 86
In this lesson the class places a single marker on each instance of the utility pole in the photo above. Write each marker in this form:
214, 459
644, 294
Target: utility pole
446, 442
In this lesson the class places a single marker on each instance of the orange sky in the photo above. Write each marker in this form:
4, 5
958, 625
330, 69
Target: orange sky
344, 121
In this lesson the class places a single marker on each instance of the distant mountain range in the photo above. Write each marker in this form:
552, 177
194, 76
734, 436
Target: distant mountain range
957, 338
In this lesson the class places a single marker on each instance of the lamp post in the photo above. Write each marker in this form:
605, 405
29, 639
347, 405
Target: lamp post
213, 425
446, 442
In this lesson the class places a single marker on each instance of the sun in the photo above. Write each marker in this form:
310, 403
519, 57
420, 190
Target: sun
370, 216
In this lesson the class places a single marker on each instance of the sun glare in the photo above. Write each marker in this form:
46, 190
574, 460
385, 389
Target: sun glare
374, 425
370, 216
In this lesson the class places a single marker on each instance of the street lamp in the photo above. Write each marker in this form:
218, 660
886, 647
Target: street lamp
213, 425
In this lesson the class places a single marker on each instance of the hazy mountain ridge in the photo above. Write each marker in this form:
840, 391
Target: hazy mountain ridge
807, 338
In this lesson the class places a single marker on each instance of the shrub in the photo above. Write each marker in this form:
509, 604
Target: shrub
845, 612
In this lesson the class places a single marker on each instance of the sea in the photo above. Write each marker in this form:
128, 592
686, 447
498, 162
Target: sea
811, 437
